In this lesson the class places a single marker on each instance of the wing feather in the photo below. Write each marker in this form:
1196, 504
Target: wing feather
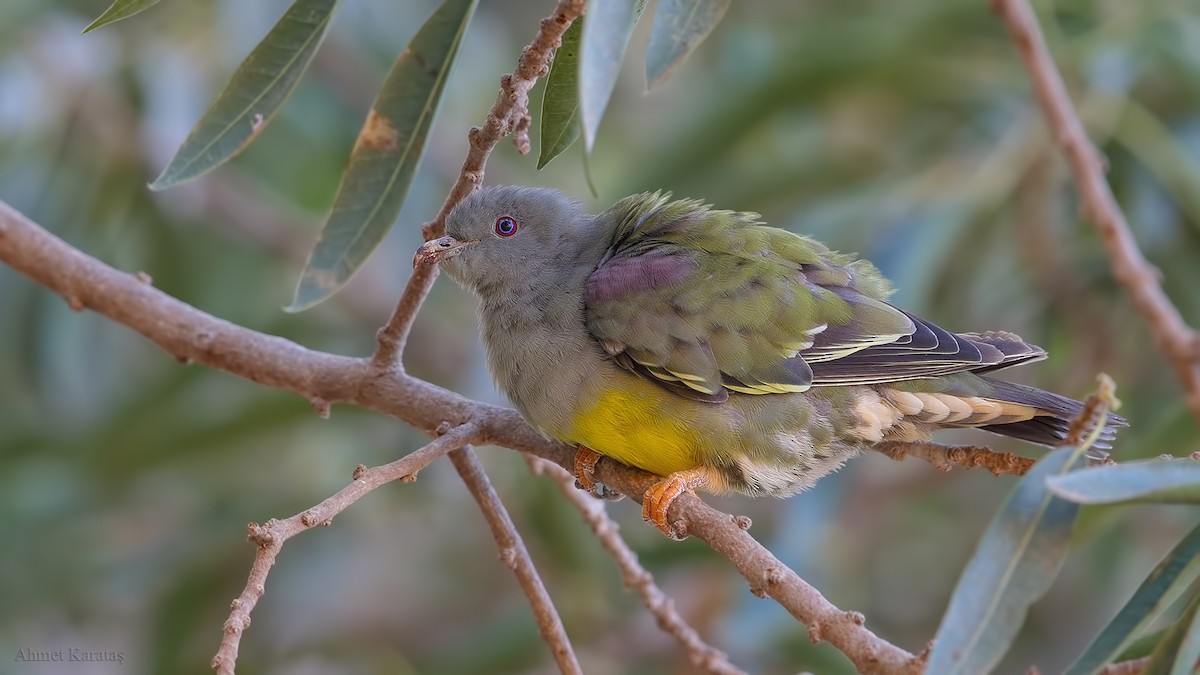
708, 302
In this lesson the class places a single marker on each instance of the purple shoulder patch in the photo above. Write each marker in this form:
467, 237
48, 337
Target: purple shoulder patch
624, 275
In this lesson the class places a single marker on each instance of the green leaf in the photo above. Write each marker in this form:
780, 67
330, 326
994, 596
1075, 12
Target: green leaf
605, 36
1159, 481
679, 27
258, 88
386, 155
1014, 564
1179, 650
560, 99
1173, 574
120, 9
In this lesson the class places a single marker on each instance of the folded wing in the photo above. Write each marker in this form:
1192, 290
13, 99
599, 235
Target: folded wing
706, 302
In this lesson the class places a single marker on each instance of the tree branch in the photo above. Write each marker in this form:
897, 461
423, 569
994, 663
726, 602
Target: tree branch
699, 653
509, 115
945, 457
767, 576
194, 336
1179, 342
271, 536
515, 556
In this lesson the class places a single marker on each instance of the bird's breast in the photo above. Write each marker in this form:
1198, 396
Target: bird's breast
632, 422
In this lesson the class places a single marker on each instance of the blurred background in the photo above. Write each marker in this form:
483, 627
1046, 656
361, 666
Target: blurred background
903, 131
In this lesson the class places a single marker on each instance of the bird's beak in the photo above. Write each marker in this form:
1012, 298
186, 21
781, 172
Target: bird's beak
437, 250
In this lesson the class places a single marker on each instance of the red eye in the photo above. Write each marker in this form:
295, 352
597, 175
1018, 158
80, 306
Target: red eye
506, 226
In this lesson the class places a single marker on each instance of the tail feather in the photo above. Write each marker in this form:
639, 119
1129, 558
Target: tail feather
1054, 414
1016, 351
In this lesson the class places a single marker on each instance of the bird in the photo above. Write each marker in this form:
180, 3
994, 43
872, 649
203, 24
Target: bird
714, 351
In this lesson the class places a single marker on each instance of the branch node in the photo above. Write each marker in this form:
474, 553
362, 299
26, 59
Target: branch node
856, 617
508, 557
815, 635
773, 576
261, 534
74, 302
359, 472
144, 278
309, 518
321, 407
443, 428
679, 529
743, 522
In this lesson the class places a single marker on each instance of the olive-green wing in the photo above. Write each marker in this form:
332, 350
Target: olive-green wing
709, 301
706, 302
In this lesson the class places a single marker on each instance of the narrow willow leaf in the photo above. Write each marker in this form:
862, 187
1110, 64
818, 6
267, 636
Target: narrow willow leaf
1014, 564
386, 155
1160, 481
258, 88
120, 9
560, 99
1173, 574
679, 27
1179, 650
605, 36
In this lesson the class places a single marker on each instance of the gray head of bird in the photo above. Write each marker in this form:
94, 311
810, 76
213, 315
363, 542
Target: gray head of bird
502, 234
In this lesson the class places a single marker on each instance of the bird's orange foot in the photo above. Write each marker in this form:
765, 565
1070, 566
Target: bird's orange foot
658, 499
585, 467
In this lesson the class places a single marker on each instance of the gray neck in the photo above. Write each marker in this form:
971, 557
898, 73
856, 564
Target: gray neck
538, 346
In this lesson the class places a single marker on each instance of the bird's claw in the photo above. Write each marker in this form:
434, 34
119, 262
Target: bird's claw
585, 467
659, 497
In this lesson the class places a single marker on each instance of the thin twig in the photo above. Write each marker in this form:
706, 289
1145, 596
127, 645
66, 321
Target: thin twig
945, 457
515, 556
1179, 342
271, 536
392, 336
699, 653
509, 115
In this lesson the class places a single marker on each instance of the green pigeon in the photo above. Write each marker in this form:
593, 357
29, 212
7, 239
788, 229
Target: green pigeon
712, 350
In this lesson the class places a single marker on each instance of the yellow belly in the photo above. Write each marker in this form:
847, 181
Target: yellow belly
632, 426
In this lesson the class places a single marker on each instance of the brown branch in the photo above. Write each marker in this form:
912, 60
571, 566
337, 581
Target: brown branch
515, 556
509, 115
271, 536
946, 457
1179, 342
194, 336
392, 336
699, 653
768, 577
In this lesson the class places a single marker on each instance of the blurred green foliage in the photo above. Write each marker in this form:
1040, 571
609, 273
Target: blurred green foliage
904, 131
